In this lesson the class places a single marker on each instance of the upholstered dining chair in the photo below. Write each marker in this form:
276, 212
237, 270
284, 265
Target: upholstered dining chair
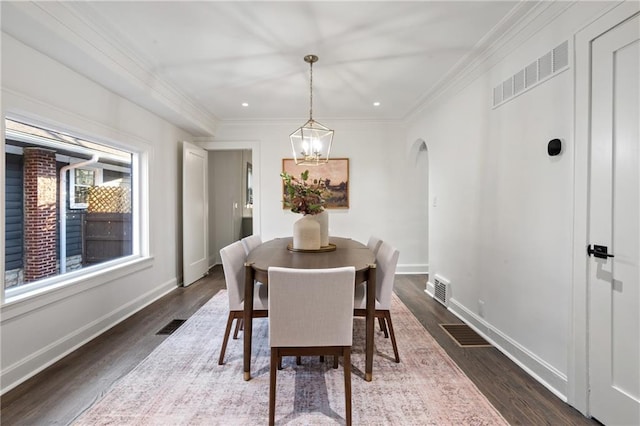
233, 257
310, 314
374, 244
251, 242
386, 263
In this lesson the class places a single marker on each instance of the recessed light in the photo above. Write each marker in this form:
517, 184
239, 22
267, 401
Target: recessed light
376, 104
244, 104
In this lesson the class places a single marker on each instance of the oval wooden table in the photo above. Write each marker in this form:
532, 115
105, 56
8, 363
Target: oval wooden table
348, 252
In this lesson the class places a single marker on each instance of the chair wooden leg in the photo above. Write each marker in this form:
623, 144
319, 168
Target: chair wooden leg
239, 323
387, 317
321, 358
347, 383
275, 360
335, 361
298, 360
383, 327
225, 339
279, 363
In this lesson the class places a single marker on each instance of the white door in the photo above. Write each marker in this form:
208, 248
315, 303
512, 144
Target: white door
195, 216
614, 224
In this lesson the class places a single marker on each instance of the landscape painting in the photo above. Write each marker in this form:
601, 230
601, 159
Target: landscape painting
336, 174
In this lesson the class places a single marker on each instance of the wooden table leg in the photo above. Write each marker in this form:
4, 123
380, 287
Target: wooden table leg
371, 309
248, 318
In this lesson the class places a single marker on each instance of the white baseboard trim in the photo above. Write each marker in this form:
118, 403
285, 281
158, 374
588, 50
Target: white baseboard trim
412, 269
430, 289
547, 375
31, 365
212, 261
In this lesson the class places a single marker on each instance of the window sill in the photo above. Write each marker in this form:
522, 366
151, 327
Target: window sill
20, 304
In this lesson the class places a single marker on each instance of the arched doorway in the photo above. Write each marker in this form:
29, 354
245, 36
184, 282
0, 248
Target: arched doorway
419, 158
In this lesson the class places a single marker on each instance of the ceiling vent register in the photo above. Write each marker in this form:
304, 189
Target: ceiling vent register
542, 69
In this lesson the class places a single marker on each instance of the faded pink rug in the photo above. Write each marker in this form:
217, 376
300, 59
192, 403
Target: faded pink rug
181, 383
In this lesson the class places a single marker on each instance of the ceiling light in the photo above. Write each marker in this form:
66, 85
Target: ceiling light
376, 104
311, 143
244, 104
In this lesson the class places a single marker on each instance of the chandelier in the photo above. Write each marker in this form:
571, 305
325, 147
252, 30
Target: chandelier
311, 143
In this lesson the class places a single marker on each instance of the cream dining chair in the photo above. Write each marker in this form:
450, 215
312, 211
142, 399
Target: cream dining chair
251, 242
374, 244
310, 314
386, 262
233, 258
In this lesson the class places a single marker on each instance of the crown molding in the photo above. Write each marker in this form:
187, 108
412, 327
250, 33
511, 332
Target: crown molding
297, 122
59, 31
525, 20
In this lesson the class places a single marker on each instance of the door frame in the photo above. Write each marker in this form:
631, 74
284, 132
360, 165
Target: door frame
254, 146
578, 363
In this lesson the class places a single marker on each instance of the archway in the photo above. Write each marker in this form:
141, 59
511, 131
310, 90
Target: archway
419, 158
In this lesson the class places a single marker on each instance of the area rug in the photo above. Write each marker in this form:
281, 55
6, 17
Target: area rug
181, 383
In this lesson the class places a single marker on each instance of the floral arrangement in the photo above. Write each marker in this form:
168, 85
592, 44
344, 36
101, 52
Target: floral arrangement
302, 196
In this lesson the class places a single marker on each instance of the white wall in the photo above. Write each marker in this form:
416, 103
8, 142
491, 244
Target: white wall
501, 211
387, 184
38, 331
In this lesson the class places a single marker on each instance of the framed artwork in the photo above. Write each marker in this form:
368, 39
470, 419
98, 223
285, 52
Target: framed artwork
336, 173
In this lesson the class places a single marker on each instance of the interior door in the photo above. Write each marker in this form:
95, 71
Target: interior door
195, 216
614, 227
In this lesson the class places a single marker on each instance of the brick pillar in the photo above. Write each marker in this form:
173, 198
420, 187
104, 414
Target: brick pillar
40, 201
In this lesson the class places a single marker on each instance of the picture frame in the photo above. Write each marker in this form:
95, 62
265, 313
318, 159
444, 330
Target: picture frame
336, 172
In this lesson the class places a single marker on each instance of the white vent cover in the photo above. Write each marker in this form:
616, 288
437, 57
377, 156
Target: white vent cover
539, 71
545, 66
442, 290
561, 57
518, 82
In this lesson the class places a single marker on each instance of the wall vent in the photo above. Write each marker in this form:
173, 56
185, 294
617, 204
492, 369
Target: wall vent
539, 71
442, 290
561, 57
497, 95
531, 74
518, 82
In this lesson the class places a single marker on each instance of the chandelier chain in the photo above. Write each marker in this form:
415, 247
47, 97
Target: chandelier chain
311, 91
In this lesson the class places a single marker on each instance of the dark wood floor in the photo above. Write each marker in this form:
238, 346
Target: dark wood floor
61, 392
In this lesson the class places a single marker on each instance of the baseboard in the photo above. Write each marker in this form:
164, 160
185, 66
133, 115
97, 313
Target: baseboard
412, 269
31, 365
212, 261
544, 373
547, 375
430, 289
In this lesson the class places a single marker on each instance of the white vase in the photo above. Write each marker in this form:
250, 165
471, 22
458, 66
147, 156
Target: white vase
306, 234
323, 220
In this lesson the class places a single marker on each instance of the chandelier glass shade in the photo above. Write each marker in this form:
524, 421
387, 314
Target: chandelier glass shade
311, 143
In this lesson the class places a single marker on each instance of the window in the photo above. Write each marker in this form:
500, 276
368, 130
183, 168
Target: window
80, 183
69, 206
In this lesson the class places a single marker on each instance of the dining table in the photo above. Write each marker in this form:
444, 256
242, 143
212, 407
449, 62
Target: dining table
340, 252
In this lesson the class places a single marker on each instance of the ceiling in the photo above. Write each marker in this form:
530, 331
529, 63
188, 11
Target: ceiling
216, 55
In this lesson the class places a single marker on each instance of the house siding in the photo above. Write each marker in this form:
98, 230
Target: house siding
14, 243
74, 224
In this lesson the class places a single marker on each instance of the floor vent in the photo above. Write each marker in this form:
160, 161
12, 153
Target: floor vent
464, 336
171, 327
442, 288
